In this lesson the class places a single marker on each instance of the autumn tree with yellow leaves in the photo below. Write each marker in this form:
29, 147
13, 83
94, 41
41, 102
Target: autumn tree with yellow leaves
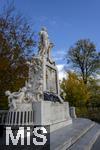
74, 90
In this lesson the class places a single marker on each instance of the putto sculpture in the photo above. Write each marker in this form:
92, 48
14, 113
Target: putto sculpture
22, 96
16, 97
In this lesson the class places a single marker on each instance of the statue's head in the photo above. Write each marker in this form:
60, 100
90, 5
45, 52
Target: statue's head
44, 29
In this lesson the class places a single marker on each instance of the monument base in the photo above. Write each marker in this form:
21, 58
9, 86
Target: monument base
23, 115
46, 113
49, 113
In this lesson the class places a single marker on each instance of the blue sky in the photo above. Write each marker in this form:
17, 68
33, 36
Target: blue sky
66, 20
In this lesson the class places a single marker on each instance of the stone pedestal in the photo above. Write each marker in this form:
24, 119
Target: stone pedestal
72, 112
49, 113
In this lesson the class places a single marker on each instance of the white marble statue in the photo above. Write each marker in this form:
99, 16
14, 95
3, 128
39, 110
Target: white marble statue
44, 41
34, 87
11, 100
39, 89
16, 97
45, 45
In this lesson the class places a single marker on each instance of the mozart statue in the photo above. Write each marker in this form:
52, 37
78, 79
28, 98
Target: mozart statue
44, 45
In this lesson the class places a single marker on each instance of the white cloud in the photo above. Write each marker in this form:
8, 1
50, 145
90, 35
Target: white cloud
61, 71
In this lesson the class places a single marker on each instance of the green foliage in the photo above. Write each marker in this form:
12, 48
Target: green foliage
85, 97
74, 90
89, 112
82, 112
16, 44
94, 87
84, 57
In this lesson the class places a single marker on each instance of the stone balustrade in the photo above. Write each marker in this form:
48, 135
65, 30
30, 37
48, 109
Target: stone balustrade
16, 117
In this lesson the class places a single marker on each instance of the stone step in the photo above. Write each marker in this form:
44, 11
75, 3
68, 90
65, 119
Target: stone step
63, 138
96, 145
87, 140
